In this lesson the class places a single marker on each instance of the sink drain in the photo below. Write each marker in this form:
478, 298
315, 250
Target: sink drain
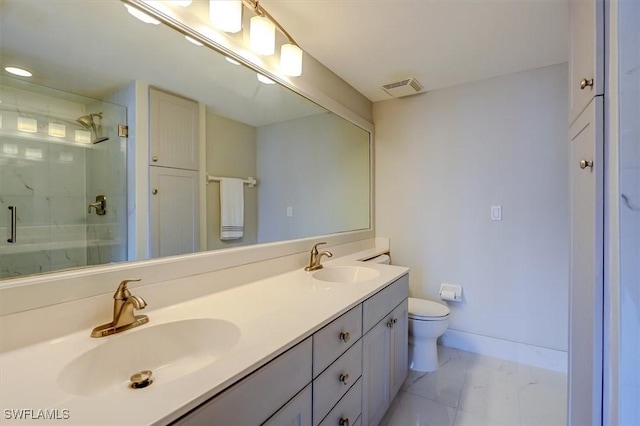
141, 379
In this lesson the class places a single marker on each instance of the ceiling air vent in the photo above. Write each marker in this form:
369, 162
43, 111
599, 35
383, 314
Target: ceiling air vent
407, 87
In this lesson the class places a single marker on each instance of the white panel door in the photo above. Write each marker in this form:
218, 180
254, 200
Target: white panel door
173, 131
376, 368
586, 319
587, 53
174, 211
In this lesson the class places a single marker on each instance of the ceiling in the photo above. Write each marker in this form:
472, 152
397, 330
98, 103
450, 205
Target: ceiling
440, 42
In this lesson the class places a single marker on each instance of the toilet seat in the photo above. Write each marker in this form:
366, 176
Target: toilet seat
426, 310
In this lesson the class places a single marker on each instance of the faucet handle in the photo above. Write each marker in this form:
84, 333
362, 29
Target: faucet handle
123, 292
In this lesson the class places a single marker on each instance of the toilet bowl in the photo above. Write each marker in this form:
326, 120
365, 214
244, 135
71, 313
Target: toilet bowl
427, 321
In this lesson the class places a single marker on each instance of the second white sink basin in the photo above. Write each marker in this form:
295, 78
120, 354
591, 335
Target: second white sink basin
345, 274
170, 350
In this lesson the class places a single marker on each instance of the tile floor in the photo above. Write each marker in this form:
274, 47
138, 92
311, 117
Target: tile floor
477, 390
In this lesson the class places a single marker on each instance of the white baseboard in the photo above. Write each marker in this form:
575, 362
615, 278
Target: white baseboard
522, 353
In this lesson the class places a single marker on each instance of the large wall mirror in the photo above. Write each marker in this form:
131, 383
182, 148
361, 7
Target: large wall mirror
66, 163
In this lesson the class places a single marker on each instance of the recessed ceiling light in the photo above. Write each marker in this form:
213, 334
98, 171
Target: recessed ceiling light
193, 40
18, 71
265, 80
233, 61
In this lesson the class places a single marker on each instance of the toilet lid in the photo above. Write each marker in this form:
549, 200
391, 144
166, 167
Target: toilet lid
426, 308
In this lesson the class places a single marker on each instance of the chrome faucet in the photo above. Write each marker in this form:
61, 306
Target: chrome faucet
314, 260
123, 312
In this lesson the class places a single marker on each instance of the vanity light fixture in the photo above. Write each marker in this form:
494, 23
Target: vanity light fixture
291, 60
264, 79
21, 72
226, 15
29, 125
57, 130
262, 36
141, 15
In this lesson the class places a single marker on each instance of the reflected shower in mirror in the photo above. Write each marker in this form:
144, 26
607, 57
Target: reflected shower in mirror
190, 113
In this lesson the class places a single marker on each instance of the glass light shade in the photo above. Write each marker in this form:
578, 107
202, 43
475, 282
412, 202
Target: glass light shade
57, 130
83, 136
33, 153
262, 36
264, 79
29, 125
10, 149
226, 15
147, 19
291, 60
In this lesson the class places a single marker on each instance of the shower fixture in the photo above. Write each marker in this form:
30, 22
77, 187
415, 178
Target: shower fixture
87, 121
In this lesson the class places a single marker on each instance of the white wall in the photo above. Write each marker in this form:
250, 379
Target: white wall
442, 159
318, 166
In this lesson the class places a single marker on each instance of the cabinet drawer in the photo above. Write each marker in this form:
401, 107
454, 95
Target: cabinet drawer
256, 397
336, 380
334, 339
380, 304
348, 409
297, 412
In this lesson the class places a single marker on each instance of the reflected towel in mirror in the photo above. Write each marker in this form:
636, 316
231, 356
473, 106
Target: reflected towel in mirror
231, 208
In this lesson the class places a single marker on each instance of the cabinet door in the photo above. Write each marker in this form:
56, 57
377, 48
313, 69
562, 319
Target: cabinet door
399, 347
174, 212
587, 53
173, 131
586, 293
376, 362
297, 412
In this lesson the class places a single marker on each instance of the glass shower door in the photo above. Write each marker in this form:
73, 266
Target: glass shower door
51, 170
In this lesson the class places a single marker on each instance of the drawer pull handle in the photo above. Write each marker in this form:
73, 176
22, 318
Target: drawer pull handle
344, 422
586, 82
344, 378
585, 163
344, 336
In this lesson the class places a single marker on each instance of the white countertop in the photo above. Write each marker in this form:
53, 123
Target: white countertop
272, 315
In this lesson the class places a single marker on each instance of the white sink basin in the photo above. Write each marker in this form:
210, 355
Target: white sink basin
169, 350
345, 274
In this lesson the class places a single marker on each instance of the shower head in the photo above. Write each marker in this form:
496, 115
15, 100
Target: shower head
88, 123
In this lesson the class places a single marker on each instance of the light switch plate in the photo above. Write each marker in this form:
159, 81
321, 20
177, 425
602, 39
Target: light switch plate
496, 212
289, 211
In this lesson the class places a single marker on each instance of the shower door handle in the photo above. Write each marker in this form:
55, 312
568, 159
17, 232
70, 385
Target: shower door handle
14, 221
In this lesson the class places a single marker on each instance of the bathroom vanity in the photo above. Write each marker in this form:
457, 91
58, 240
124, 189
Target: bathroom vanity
296, 348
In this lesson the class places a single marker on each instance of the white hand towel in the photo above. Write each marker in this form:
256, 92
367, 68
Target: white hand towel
231, 209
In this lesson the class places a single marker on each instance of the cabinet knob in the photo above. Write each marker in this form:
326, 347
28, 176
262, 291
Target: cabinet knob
390, 323
154, 158
344, 336
154, 192
344, 421
586, 163
344, 378
586, 82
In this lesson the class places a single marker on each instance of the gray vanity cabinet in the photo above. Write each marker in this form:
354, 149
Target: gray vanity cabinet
263, 394
384, 347
338, 376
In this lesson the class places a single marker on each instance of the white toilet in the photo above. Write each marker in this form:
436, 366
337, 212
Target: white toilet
427, 321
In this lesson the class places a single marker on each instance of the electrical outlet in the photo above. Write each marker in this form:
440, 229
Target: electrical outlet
496, 212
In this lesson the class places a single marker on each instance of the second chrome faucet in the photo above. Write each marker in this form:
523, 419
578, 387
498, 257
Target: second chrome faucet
316, 257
